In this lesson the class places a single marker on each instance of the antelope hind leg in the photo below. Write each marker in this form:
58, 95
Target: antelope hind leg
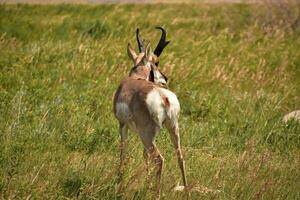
175, 137
123, 129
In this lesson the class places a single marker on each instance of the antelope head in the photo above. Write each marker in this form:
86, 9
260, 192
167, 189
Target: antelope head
146, 62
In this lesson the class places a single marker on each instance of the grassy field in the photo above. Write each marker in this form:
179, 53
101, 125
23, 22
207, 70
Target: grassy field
47, 2
235, 69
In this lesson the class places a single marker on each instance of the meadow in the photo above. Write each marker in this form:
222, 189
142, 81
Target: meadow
234, 67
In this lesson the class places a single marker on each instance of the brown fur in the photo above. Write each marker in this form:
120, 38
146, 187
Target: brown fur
131, 89
133, 112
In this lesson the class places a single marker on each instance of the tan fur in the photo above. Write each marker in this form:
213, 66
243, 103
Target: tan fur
144, 107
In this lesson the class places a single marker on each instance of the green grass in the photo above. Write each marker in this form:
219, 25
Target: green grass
235, 69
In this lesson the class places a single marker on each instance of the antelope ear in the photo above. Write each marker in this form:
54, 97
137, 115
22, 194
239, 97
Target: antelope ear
131, 53
148, 51
139, 58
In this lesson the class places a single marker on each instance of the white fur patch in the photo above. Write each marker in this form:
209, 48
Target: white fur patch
158, 78
122, 111
158, 109
124, 115
174, 109
172, 99
155, 105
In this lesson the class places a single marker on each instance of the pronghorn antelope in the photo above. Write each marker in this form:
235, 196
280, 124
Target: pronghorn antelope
143, 104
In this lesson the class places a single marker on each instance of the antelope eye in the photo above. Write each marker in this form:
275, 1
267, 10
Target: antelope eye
157, 63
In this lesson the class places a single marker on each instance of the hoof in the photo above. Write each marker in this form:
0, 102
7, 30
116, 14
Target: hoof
179, 188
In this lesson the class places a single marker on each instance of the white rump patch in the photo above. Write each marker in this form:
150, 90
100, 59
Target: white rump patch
158, 109
172, 99
155, 105
174, 109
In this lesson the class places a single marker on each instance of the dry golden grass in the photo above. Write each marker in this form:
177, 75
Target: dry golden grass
234, 68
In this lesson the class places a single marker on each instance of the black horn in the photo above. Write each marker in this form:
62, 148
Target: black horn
162, 42
140, 41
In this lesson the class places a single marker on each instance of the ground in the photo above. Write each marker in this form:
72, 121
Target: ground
235, 70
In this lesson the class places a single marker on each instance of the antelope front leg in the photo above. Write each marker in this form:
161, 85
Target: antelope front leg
174, 132
146, 157
123, 133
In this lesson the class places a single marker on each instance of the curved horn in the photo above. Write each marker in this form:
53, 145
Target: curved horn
162, 42
140, 41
